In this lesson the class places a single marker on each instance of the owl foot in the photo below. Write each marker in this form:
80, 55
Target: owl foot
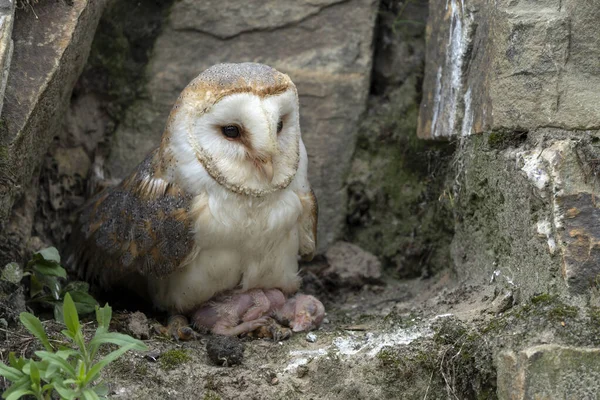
273, 330
177, 328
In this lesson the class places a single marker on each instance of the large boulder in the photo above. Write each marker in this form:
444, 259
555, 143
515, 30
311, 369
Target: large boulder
51, 45
510, 65
326, 48
549, 372
516, 83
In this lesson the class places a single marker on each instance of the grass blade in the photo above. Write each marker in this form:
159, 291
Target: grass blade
34, 325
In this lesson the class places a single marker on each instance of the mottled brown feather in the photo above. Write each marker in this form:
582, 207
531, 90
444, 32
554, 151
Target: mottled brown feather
308, 225
139, 228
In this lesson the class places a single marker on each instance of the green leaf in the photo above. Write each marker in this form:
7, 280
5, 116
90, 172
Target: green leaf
84, 302
89, 394
52, 283
24, 383
118, 339
54, 359
58, 312
17, 394
103, 316
36, 286
80, 370
33, 325
68, 334
10, 373
63, 391
48, 386
77, 286
34, 373
49, 372
70, 315
48, 269
101, 389
50, 254
65, 354
14, 361
110, 357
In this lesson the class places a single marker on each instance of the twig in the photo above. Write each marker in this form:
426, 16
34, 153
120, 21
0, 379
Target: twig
428, 386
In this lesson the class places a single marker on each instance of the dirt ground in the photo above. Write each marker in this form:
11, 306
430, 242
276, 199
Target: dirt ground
346, 358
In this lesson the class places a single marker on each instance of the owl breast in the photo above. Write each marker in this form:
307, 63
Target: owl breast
240, 243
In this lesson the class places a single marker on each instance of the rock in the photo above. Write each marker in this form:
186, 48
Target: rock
509, 66
138, 326
549, 372
58, 37
311, 337
72, 161
324, 46
349, 265
395, 181
12, 296
12, 301
7, 11
570, 169
225, 351
502, 302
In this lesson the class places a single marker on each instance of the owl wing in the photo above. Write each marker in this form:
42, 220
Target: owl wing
140, 227
308, 225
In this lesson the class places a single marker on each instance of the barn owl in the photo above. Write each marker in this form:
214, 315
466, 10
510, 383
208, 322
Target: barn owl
223, 205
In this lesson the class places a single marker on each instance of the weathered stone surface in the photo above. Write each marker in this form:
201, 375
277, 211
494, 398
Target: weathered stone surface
567, 171
324, 46
7, 11
497, 209
510, 65
349, 265
50, 49
528, 211
549, 372
395, 181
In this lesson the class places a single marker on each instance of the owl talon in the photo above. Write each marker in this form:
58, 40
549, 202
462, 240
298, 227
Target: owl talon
278, 332
177, 328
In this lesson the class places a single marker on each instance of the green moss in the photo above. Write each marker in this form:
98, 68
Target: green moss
211, 396
594, 314
395, 188
543, 298
499, 140
562, 312
172, 358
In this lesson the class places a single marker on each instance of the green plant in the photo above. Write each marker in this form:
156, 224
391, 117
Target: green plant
45, 288
69, 371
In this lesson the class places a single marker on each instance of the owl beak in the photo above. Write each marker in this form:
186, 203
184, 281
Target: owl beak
266, 168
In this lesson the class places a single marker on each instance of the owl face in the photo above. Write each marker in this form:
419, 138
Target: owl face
244, 130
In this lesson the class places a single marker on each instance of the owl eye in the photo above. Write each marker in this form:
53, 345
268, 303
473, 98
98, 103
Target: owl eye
230, 131
279, 126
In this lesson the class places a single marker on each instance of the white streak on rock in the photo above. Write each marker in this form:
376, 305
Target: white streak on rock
535, 171
467, 122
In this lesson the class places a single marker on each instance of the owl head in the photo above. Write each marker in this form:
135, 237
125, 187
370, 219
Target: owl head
238, 125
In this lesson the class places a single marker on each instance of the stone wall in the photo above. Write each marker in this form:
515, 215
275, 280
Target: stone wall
325, 47
396, 180
51, 45
515, 84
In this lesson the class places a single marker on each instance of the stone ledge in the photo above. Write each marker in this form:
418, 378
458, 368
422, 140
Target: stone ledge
509, 66
549, 372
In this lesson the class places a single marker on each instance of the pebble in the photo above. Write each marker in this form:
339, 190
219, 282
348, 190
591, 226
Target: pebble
311, 337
